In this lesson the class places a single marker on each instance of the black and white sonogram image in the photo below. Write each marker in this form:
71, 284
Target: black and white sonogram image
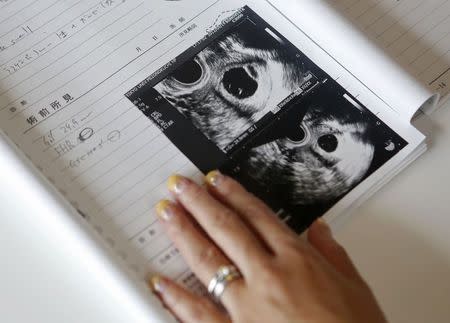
233, 83
311, 160
246, 101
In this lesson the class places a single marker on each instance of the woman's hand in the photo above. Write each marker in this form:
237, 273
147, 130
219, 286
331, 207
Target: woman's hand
284, 279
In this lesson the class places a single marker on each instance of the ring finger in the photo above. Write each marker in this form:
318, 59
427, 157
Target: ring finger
202, 255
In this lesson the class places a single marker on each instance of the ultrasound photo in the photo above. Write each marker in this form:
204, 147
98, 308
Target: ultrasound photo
234, 82
308, 161
248, 102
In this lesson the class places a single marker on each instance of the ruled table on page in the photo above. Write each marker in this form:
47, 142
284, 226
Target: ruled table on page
414, 32
64, 68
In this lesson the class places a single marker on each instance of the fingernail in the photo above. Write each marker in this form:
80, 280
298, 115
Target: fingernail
176, 184
164, 210
157, 284
214, 178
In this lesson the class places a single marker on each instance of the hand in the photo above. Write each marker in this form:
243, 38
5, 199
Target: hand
284, 279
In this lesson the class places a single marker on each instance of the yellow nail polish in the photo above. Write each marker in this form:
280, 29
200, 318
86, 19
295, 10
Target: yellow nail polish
175, 184
163, 209
214, 178
157, 284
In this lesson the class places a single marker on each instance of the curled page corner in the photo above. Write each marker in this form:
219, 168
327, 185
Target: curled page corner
428, 107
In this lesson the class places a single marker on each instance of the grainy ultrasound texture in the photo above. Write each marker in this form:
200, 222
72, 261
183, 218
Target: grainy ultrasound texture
232, 84
329, 155
247, 101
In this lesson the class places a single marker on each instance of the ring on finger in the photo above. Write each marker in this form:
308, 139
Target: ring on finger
224, 276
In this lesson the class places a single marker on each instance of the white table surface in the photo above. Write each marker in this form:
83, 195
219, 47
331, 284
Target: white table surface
400, 240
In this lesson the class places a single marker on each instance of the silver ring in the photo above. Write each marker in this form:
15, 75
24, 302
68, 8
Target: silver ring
223, 277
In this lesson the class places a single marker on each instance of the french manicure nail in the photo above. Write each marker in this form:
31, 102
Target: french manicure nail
214, 178
164, 210
157, 284
176, 184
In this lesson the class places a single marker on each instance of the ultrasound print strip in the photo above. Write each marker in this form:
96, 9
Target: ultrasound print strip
251, 104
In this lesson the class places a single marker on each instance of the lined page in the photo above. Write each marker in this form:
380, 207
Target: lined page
64, 69
347, 44
416, 33
65, 66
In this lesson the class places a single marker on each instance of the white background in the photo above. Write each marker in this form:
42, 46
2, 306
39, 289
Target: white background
400, 240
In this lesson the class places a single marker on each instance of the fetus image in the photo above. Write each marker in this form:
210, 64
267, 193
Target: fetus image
232, 84
269, 112
316, 160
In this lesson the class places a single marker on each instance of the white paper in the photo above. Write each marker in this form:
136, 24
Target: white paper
65, 68
75, 240
66, 78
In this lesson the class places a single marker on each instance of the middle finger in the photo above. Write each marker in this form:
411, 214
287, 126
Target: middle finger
224, 227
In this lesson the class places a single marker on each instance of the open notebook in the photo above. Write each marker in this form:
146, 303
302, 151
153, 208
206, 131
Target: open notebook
308, 103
